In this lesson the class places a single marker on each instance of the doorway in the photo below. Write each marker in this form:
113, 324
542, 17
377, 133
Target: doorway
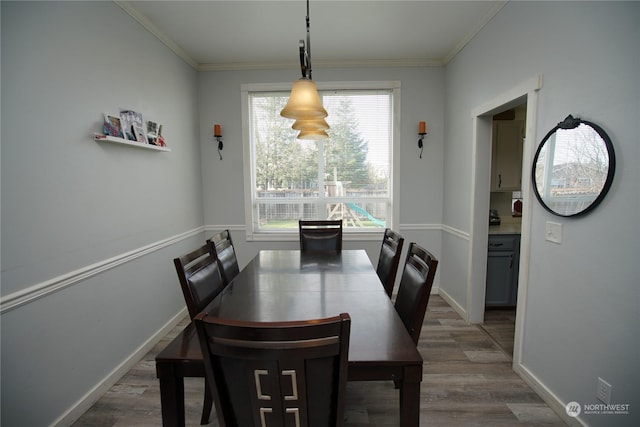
505, 223
524, 93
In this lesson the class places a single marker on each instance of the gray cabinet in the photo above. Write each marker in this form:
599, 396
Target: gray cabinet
503, 257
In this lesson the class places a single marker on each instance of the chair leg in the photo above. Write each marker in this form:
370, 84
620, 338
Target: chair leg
207, 404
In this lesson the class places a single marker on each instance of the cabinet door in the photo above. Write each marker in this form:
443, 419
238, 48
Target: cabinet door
506, 170
499, 278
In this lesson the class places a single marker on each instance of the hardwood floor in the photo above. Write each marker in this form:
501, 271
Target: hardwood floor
468, 381
500, 324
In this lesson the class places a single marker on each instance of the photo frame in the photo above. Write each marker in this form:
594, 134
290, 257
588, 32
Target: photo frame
152, 132
130, 119
112, 126
140, 134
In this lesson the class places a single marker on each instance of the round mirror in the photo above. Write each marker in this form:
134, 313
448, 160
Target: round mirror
573, 167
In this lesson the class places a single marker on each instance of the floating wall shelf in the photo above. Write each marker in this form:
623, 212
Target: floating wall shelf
122, 141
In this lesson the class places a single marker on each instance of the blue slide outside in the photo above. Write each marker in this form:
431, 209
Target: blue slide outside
365, 213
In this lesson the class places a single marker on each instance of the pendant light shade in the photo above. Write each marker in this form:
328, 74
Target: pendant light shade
304, 102
310, 124
312, 134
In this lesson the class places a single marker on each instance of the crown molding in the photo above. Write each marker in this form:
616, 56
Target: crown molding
474, 31
153, 29
249, 65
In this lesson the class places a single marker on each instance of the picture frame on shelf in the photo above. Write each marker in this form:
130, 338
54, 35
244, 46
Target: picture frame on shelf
112, 126
152, 132
140, 134
160, 140
130, 119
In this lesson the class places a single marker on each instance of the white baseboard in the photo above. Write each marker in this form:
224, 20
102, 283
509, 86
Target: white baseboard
89, 399
454, 304
547, 395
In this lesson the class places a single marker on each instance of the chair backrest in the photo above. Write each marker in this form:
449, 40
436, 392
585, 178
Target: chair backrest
276, 373
200, 278
415, 287
320, 235
226, 255
389, 259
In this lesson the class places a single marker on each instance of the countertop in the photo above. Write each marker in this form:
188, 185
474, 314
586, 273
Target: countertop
505, 228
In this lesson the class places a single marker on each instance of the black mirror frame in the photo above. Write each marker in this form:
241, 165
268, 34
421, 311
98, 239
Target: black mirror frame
571, 123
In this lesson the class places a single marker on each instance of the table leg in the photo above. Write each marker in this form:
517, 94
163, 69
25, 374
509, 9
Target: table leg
172, 400
410, 398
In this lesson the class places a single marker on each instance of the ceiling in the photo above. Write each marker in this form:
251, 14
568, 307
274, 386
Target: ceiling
241, 34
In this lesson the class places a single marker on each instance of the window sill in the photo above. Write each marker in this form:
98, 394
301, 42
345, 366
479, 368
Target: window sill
354, 236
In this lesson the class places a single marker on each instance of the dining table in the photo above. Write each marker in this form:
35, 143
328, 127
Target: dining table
284, 285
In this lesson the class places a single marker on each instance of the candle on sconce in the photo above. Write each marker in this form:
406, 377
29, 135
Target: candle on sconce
216, 130
422, 127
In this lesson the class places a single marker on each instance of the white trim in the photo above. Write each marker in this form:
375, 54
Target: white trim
453, 303
216, 228
360, 63
507, 98
40, 290
476, 279
346, 85
455, 232
475, 30
364, 236
525, 236
153, 29
428, 227
92, 396
554, 402
245, 92
377, 63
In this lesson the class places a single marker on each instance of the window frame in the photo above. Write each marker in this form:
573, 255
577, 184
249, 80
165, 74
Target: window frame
248, 172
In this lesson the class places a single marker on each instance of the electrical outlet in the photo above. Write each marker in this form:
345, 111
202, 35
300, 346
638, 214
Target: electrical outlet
604, 391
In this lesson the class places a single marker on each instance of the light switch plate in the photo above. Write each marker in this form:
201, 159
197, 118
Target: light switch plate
553, 232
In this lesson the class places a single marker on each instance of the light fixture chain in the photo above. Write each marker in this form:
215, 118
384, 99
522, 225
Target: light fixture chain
308, 44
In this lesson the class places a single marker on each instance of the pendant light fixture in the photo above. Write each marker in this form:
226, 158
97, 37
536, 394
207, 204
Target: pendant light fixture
304, 103
310, 124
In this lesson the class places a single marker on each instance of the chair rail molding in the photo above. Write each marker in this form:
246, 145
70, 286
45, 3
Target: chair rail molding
42, 289
455, 232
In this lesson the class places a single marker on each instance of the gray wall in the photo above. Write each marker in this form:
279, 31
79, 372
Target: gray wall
98, 224
100, 221
422, 98
582, 297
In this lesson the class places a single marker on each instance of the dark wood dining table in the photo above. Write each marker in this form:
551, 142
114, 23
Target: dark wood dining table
281, 285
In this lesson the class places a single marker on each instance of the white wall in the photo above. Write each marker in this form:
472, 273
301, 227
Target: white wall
422, 98
582, 296
72, 206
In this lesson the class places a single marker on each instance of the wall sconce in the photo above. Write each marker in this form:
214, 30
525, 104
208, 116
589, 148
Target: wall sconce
217, 133
422, 131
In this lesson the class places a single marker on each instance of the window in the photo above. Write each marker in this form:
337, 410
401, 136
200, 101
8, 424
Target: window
349, 176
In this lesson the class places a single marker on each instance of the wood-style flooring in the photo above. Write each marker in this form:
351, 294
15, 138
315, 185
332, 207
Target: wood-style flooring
468, 381
500, 324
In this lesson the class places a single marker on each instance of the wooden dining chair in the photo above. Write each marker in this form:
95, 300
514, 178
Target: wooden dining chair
276, 373
415, 286
320, 235
201, 281
389, 259
226, 253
